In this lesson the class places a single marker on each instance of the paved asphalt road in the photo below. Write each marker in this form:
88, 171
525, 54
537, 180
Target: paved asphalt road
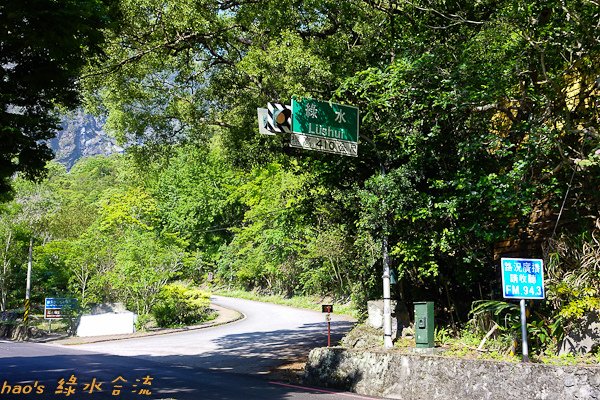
221, 363
267, 336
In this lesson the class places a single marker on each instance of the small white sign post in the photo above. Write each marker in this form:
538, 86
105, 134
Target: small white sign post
523, 278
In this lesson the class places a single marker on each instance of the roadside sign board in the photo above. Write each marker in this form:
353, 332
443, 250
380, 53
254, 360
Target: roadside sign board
54, 306
325, 126
279, 118
522, 278
262, 122
327, 308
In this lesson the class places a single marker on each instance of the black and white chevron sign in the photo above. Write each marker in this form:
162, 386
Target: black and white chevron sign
279, 118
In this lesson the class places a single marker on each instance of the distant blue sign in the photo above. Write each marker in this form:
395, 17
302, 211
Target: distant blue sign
60, 302
522, 278
53, 307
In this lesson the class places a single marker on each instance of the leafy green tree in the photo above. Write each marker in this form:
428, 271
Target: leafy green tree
79, 192
182, 71
328, 255
26, 221
13, 252
45, 44
78, 252
37, 204
192, 193
472, 119
143, 266
127, 209
265, 249
52, 274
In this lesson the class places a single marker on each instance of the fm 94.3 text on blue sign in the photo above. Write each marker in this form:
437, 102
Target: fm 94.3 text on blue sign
522, 278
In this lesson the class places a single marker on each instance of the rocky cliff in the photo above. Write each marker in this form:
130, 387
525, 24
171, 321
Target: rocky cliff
81, 136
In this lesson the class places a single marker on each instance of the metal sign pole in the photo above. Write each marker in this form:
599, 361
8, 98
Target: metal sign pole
28, 288
523, 278
328, 330
387, 296
387, 309
524, 331
328, 309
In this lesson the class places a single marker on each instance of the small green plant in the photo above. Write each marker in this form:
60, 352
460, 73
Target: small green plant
443, 335
504, 314
502, 319
143, 321
181, 304
404, 342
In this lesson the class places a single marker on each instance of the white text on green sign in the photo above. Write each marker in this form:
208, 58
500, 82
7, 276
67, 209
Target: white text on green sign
325, 119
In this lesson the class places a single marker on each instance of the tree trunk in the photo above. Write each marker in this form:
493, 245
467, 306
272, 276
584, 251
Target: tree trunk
5, 272
337, 274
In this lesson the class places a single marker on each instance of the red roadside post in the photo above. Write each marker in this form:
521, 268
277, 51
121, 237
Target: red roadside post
328, 308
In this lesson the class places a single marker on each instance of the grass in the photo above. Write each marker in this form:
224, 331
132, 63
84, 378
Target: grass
305, 302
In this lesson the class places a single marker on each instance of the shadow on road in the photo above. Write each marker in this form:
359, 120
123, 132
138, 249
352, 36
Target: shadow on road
259, 350
180, 377
98, 376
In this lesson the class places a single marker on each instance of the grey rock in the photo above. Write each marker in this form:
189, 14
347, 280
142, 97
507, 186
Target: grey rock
81, 135
584, 336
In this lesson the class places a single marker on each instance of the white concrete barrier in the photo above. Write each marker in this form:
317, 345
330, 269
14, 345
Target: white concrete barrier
106, 324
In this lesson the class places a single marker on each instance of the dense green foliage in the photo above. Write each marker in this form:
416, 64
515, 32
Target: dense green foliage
180, 304
480, 136
43, 46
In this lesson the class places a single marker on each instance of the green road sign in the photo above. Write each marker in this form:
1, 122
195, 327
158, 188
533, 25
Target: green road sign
325, 126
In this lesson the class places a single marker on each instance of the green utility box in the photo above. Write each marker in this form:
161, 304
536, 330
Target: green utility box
424, 335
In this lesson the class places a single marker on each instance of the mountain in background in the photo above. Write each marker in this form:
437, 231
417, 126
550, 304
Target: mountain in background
82, 136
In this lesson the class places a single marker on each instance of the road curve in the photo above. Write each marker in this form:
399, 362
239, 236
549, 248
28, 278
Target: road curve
266, 337
191, 365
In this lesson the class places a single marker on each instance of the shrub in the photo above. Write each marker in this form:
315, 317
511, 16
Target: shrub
181, 304
144, 322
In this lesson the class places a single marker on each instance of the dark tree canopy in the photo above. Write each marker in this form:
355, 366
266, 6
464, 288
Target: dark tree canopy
43, 46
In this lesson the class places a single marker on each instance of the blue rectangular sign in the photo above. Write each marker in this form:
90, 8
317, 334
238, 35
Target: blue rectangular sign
522, 278
53, 306
60, 302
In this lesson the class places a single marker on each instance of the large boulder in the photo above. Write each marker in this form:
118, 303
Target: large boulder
400, 316
584, 337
